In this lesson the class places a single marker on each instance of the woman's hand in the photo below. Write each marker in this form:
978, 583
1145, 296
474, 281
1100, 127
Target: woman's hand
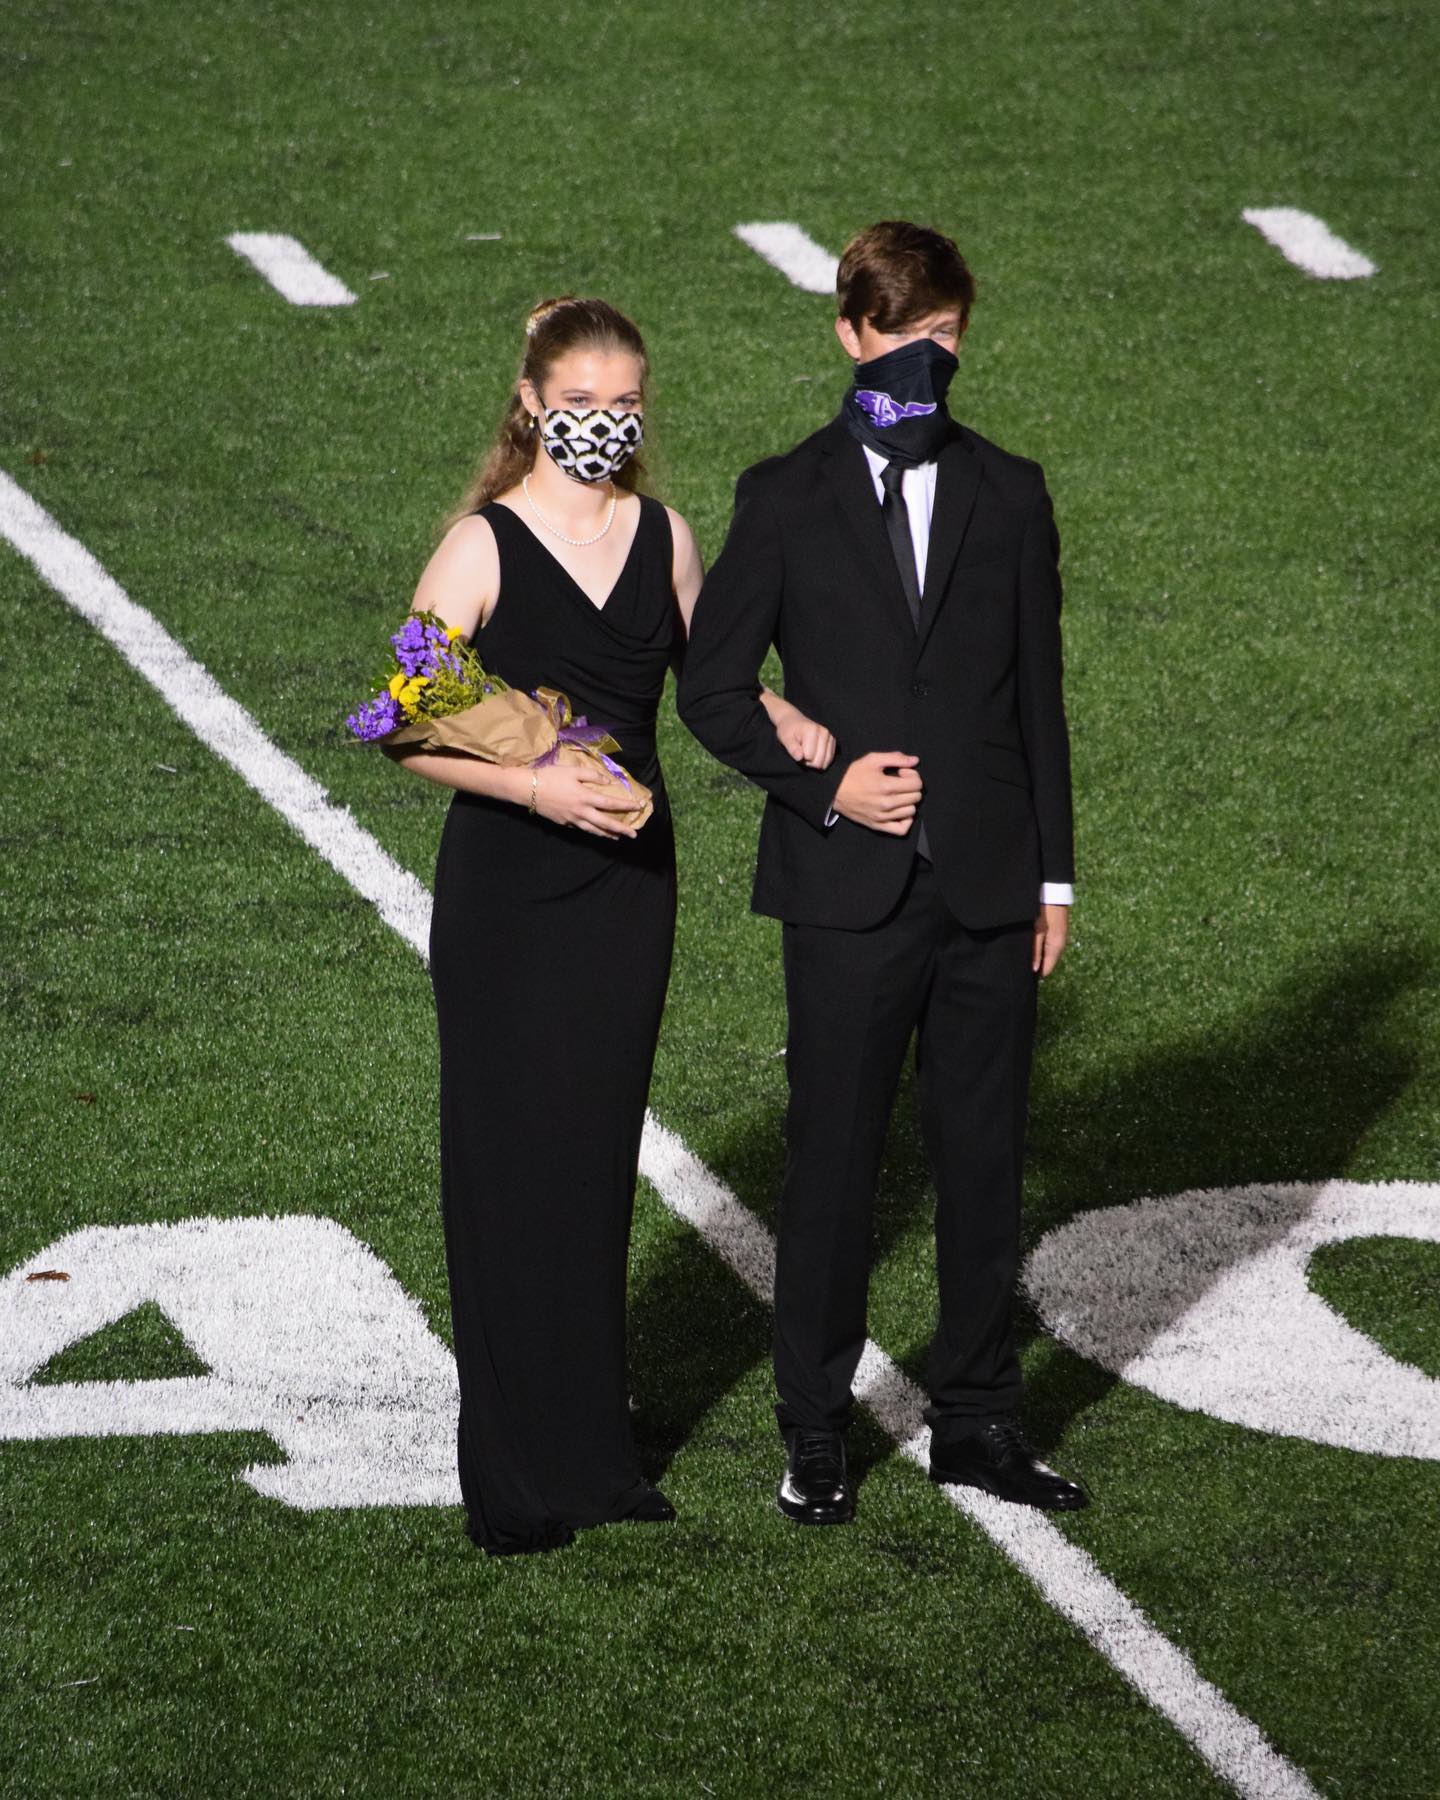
570, 794
808, 741
805, 739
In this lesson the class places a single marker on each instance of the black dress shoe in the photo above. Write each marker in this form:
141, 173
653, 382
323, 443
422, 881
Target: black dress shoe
816, 1488
996, 1457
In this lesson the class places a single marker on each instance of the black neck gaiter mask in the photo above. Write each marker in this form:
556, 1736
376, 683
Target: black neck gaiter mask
896, 403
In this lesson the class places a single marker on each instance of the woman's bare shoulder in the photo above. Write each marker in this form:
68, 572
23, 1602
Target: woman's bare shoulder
683, 538
471, 536
461, 582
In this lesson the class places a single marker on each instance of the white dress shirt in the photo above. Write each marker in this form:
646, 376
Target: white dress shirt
917, 489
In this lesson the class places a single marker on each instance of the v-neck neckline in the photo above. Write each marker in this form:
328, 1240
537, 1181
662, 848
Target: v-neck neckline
598, 607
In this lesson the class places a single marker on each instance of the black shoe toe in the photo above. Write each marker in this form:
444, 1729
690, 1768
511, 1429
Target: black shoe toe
815, 1488
996, 1459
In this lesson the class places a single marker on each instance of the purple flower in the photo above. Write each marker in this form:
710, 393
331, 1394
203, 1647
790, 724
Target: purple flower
375, 718
411, 645
422, 649
439, 655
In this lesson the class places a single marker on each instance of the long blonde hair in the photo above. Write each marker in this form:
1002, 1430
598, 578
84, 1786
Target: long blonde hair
553, 329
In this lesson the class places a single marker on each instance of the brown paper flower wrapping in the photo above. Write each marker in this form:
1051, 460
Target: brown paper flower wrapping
513, 731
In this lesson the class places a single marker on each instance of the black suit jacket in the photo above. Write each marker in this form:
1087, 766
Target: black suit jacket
975, 693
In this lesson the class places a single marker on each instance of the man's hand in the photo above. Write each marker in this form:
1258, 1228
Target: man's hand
1052, 929
881, 791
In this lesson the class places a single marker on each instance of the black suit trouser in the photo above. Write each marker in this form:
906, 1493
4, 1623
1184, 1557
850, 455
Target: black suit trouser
854, 998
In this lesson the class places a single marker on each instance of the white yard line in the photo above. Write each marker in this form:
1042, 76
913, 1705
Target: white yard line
1309, 243
1069, 1578
795, 254
1066, 1575
290, 268
189, 689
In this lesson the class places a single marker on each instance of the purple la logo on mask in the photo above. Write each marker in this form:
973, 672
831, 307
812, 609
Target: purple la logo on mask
881, 410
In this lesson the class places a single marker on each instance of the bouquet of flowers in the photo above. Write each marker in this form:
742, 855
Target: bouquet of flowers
437, 696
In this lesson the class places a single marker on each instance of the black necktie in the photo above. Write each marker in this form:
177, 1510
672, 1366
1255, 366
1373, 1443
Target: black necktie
897, 524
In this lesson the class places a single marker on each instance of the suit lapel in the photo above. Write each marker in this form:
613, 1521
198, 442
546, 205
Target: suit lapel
957, 481
845, 469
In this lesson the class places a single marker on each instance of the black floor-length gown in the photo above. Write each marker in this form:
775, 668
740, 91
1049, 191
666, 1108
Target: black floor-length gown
550, 953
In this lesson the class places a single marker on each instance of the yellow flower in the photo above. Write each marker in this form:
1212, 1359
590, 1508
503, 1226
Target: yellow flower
452, 632
397, 681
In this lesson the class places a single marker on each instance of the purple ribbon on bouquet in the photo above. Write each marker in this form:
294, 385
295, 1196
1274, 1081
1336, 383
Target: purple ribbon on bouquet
571, 728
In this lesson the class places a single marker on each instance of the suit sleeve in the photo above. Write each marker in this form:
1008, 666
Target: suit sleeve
1041, 699
736, 619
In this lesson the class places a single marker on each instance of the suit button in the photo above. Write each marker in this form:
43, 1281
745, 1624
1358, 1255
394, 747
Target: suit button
920, 688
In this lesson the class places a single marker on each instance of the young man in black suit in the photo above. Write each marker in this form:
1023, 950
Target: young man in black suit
906, 569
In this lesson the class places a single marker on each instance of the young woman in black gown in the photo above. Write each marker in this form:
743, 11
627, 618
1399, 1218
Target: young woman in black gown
551, 936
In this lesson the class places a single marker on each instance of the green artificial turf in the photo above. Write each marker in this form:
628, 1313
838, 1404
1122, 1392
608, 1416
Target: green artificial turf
1387, 1287
141, 1346
202, 1018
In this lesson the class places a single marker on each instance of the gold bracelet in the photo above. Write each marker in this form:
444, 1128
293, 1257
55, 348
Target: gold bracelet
534, 784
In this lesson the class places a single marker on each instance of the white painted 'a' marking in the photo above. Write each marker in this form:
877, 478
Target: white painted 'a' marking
1309, 243
307, 1335
1202, 1299
290, 268
795, 254
1069, 1579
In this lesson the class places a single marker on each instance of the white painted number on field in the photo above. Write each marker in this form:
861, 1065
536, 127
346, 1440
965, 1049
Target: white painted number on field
797, 256
290, 268
1202, 1299
1309, 243
306, 1334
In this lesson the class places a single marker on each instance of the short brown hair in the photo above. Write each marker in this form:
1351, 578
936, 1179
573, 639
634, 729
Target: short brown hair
894, 273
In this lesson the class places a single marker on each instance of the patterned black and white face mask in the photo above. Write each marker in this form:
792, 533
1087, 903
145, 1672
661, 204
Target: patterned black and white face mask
593, 445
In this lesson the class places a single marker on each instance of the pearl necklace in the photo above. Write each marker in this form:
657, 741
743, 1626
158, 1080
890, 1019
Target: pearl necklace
579, 543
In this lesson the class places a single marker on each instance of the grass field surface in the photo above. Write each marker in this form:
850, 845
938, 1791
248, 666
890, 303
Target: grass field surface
204, 1020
